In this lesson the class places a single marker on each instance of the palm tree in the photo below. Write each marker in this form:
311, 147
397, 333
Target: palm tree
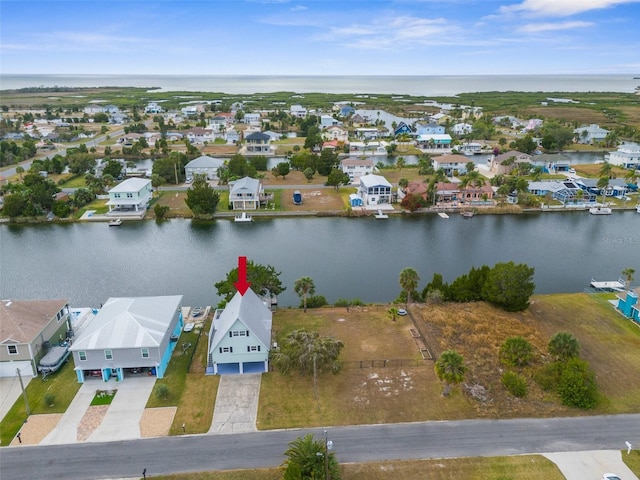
628, 273
400, 163
409, 279
606, 170
20, 171
393, 312
306, 459
603, 185
563, 346
304, 286
450, 369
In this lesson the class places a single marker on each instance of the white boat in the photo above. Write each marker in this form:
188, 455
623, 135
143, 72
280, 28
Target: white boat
54, 359
638, 208
243, 217
600, 211
467, 214
443, 215
116, 222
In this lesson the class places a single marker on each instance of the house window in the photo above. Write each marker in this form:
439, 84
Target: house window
116, 195
82, 356
12, 349
253, 348
238, 333
226, 349
145, 352
129, 195
108, 355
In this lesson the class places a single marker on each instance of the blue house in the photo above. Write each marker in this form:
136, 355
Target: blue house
402, 129
629, 305
240, 336
129, 335
347, 110
429, 129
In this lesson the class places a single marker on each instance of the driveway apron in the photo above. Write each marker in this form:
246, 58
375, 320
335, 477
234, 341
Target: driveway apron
236, 406
591, 465
67, 429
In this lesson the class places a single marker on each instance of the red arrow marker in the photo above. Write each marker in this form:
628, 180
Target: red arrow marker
242, 285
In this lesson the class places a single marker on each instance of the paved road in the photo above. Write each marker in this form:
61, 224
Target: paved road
351, 444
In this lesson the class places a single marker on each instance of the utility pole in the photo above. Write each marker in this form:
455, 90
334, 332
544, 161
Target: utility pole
24, 392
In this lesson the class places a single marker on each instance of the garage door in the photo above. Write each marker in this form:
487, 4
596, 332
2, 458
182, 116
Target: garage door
8, 369
228, 368
253, 367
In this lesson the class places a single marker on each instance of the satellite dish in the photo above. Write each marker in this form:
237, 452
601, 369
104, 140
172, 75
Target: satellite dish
329, 445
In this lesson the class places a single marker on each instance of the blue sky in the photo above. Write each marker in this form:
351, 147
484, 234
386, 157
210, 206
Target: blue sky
348, 37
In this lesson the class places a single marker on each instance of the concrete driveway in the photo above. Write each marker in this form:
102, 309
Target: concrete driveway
591, 465
10, 391
122, 421
236, 406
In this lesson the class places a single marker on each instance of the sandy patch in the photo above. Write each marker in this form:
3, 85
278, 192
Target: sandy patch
156, 422
36, 428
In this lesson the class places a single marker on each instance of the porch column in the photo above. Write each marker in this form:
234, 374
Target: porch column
241, 368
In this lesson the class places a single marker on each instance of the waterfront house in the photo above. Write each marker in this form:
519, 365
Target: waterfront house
128, 335
627, 156
240, 336
355, 167
462, 129
367, 133
617, 186
451, 164
590, 134
327, 121
447, 192
27, 330
245, 194
347, 110
567, 191
132, 195
374, 190
402, 129
505, 163
252, 119
336, 132
204, 165
551, 162
416, 187
257, 143
153, 107
358, 120
436, 142
199, 135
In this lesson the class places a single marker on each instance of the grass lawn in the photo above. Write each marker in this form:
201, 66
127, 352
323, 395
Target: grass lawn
632, 460
592, 170
103, 397
523, 467
609, 342
63, 385
100, 207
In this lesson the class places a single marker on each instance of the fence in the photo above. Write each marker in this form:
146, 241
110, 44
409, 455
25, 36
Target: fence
394, 363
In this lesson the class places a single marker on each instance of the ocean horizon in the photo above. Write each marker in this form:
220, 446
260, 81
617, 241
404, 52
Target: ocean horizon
419, 85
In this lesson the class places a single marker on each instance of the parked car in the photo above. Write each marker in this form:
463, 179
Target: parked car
402, 312
610, 476
189, 180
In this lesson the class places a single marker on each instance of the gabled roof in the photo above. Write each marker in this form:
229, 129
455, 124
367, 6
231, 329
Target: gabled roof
369, 181
508, 155
248, 309
129, 322
23, 320
204, 161
357, 162
450, 159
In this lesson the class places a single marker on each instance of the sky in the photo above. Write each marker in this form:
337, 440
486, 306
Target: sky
322, 37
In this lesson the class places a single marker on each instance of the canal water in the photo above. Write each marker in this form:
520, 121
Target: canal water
347, 258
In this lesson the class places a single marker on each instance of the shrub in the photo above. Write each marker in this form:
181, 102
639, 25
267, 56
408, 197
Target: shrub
564, 346
548, 376
315, 301
160, 211
48, 399
578, 386
515, 383
516, 351
162, 391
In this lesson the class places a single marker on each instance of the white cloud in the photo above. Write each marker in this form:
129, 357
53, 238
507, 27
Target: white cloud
547, 27
298, 8
561, 8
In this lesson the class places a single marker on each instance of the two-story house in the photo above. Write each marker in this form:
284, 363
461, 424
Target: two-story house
374, 190
451, 164
132, 195
356, 167
505, 163
240, 336
204, 165
245, 194
257, 143
27, 330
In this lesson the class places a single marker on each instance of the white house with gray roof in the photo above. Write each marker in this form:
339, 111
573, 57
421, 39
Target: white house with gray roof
204, 165
240, 336
127, 335
245, 194
132, 195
